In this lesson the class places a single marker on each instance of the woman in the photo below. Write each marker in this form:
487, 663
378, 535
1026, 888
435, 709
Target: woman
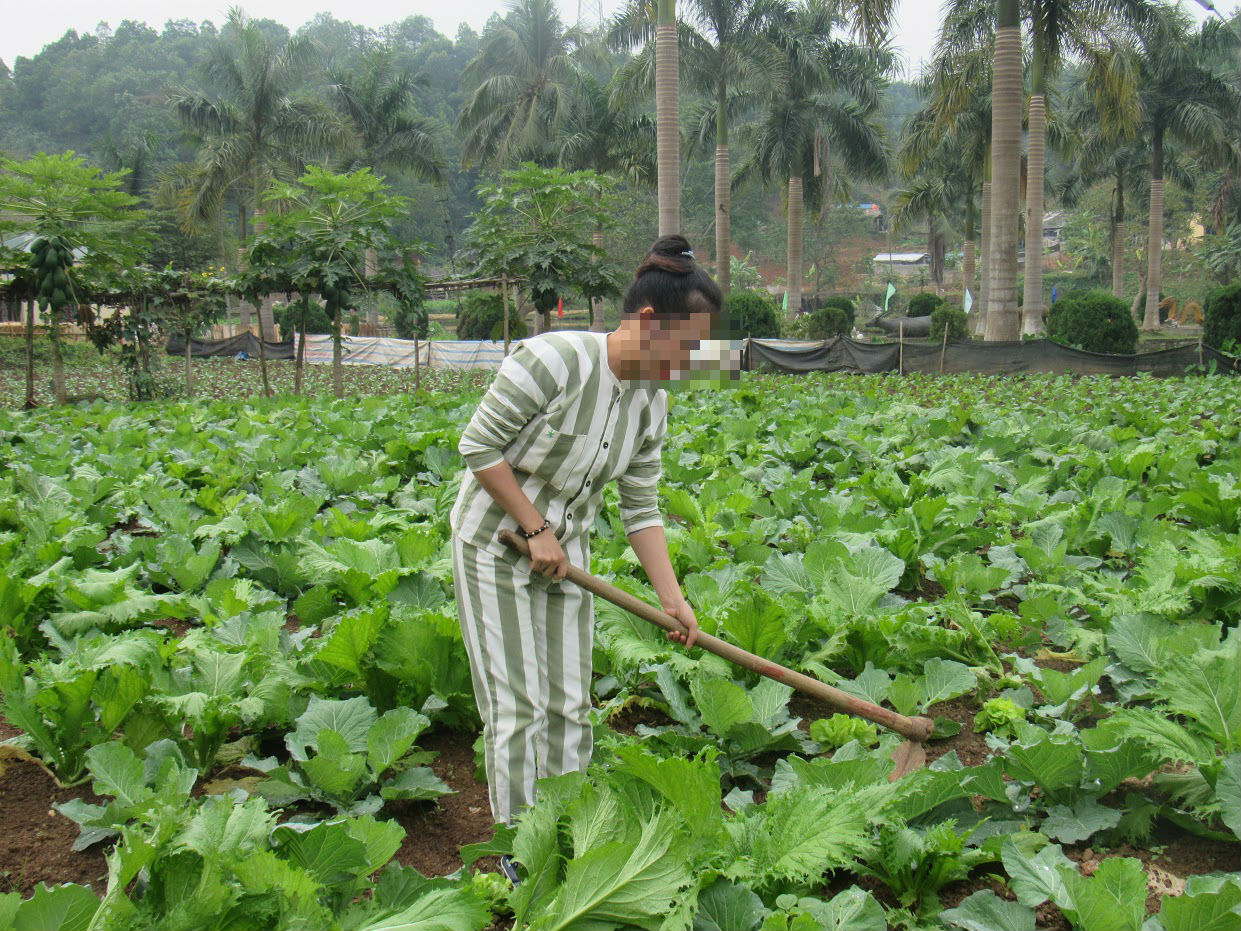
567, 413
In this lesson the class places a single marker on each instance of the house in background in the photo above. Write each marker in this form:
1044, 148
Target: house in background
902, 263
1053, 230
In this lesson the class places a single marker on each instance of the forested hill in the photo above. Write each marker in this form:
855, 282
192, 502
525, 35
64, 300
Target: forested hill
102, 94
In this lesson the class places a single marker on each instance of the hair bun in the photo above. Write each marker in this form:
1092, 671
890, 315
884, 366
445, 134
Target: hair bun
676, 246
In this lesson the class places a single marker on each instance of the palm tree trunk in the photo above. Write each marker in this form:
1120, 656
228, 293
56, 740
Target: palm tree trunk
968, 260
1002, 321
243, 309
796, 219
338, 375
189, 374
58, 361
667, 119
371, 265
1032, 302
978, 322
267, 320
300, 362
30, 401
1154, 246
596, 305
723, 193
1118, 237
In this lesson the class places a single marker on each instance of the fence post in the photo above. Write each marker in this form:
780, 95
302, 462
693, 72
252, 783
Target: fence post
900, 353
943, 349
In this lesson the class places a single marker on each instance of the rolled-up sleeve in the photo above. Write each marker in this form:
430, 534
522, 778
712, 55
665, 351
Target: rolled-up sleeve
522, 387
639, 485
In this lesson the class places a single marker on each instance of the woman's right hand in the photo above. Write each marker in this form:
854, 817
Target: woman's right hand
546, 555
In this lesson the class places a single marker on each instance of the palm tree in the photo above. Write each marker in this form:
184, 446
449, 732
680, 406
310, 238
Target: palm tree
1182, 99
520, 85
387, 133
603, 135
1002, 321
257, 121
825, 107
957, 114
667, 117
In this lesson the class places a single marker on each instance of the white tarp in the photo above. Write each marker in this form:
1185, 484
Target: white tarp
712, 355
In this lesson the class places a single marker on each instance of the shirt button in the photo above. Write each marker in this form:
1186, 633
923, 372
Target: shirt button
605, 445
587, 483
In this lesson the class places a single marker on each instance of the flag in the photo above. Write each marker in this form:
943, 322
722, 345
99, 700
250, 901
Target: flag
786, 302
891, 291
1055, 293
560, 307
969, 300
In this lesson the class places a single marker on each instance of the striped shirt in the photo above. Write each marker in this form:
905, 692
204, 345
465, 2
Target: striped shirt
567, 425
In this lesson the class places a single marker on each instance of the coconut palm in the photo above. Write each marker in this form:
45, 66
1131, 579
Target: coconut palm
823, 111
257, 120
721, 51
1182, 100
520, 85
376, 100
601, 135
957, 114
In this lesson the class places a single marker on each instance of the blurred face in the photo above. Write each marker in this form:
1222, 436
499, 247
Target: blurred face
668, 341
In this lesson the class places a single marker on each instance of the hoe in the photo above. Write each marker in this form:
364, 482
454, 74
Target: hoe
908, 757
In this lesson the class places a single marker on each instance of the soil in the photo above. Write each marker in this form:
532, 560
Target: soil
36, 844
626, 722
435, 831
971, 748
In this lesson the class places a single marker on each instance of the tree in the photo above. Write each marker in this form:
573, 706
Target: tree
387, 133
824, 109
1182, 99
257, 121
537, 225
315, 242
605, 135
520, 85
1006, 98
71, 211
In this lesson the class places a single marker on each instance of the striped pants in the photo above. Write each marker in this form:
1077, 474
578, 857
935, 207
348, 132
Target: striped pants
529, 641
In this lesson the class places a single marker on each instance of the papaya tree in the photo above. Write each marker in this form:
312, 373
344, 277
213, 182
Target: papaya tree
78, 218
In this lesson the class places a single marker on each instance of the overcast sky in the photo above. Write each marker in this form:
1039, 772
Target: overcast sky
25, 29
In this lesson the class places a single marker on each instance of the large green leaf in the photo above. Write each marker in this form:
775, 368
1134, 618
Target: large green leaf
1113, 898
438, 910
986, 911
351, 718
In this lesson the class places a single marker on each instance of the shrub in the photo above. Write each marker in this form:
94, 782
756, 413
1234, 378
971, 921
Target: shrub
287, 317
924, 304
752, 314
828, 322
952, 317
844, 304
1221, 317
1093, 320
482, 317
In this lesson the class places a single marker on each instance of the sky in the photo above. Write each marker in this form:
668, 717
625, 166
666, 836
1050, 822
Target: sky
24, 29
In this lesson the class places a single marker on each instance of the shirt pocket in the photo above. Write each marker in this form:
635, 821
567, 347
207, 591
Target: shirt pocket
556, 456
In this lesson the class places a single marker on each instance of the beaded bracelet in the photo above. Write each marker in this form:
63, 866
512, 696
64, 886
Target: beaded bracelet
534, 533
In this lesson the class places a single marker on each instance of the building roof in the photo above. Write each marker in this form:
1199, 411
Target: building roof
904, 258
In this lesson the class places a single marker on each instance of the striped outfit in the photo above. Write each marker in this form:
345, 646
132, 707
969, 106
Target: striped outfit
560, 417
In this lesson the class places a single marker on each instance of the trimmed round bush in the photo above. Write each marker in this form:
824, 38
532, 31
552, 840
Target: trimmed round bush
1221, 317
844, 304
752, 314
482, 317
1095, 321
288, 316
924, 304
946, 315
828, 322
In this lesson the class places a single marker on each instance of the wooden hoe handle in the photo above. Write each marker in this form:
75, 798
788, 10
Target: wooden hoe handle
918, 728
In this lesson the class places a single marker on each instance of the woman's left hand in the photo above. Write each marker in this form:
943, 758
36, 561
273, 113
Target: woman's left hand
685, 614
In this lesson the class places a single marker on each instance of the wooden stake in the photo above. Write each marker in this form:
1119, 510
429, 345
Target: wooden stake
504, 294
900, 353
417, 366
943, 349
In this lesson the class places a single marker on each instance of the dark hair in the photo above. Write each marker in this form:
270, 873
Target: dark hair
671, 282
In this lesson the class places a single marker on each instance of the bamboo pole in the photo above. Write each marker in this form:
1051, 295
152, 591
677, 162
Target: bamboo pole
504, 296
900, 353
943, 349
417, 365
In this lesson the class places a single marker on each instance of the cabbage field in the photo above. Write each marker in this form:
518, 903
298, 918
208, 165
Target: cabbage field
236, 695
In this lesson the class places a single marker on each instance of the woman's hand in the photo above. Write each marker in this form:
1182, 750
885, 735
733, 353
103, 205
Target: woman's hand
685, 614
546, 555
